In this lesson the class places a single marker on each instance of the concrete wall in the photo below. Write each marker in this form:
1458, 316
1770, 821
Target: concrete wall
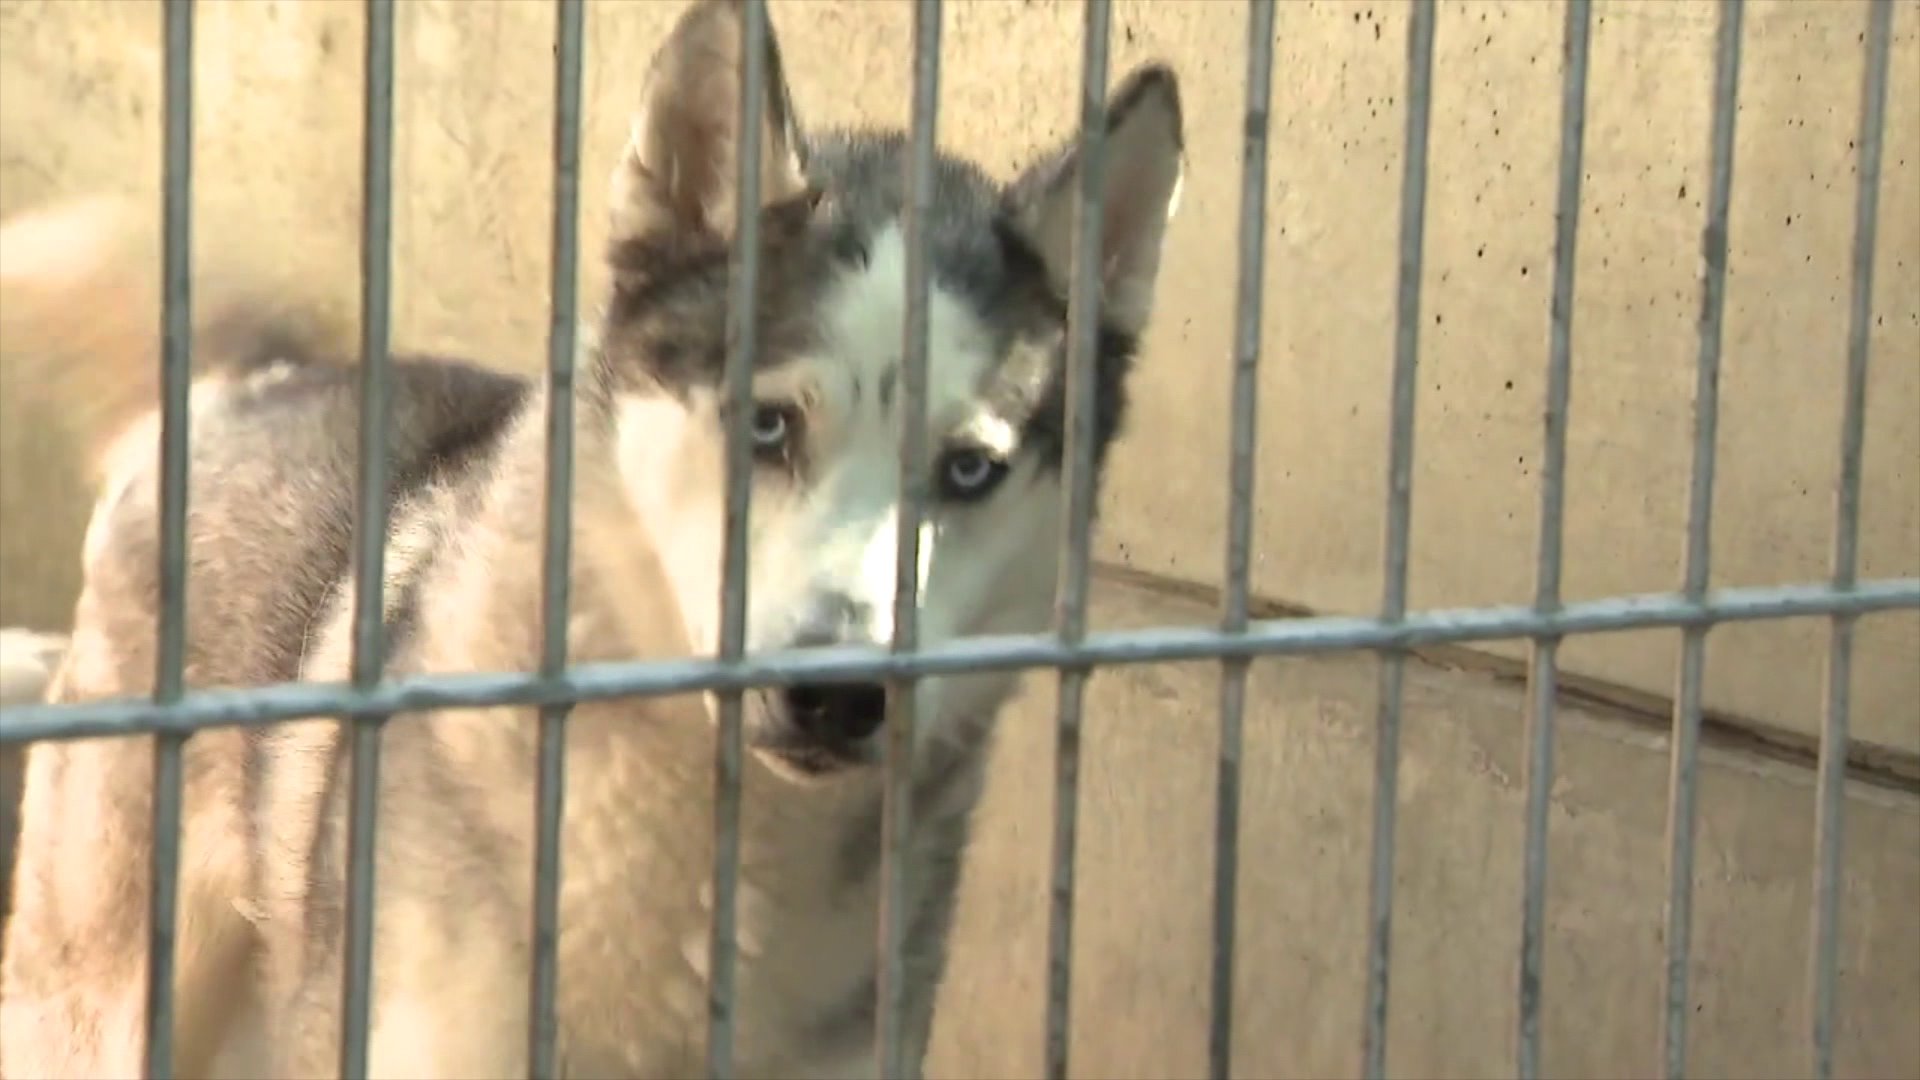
278, 123
278, 118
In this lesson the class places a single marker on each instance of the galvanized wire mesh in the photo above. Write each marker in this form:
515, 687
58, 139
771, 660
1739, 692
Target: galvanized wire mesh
1072, 649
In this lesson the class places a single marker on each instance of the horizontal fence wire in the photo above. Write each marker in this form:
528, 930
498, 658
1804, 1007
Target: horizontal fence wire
1242, 442
1543, 671
1683, 776
1824, 959
176, 332
556, 558
599, 681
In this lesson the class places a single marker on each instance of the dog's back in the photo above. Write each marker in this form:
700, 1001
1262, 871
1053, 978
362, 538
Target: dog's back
271, 507
275, 415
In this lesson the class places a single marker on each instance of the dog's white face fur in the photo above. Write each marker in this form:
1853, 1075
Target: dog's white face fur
830, 538
823, 523
823, 547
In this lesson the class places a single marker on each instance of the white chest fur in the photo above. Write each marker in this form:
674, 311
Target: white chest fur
638, 898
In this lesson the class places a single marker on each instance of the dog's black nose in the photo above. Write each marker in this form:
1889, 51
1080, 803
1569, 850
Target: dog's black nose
837, 712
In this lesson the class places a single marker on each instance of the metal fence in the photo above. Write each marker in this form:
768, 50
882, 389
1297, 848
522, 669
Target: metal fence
173, 714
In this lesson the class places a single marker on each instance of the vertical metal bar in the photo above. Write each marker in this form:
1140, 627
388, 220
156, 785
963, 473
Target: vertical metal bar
556, 568
376, 257
742, 305
1543, 672
1406, 356
1083, 328
176, 328
896, 822
1829, 802
1706, 411
1241, 445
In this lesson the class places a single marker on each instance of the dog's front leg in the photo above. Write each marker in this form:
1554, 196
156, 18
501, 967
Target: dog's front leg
449, 995
73, 984
74, 972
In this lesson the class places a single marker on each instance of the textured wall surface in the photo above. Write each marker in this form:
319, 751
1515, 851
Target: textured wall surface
278, 134
278, 122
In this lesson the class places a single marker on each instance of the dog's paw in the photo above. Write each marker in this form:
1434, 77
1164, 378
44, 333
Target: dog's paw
28, 659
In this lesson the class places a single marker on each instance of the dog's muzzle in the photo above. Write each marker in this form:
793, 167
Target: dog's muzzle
820, 727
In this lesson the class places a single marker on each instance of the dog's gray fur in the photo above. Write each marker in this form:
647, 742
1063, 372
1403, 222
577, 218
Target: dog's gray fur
262, 887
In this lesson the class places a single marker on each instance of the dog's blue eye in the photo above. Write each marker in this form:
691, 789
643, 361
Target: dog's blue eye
969, 474
848, 246
771, 428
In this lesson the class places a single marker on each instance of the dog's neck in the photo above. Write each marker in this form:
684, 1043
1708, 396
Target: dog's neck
621, 607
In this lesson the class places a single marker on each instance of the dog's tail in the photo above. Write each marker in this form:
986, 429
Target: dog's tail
80, 315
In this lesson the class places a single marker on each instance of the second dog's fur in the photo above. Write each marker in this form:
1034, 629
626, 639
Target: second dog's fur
262, 887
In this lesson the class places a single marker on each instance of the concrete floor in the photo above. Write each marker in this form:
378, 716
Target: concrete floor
1145, 894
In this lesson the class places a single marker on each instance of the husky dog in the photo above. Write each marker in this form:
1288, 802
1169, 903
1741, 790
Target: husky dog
259, 947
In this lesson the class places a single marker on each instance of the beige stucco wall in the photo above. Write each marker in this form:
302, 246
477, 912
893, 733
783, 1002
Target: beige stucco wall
279, 112
278, 117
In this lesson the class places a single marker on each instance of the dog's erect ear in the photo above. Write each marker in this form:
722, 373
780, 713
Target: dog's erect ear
679, 170
1141, 186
